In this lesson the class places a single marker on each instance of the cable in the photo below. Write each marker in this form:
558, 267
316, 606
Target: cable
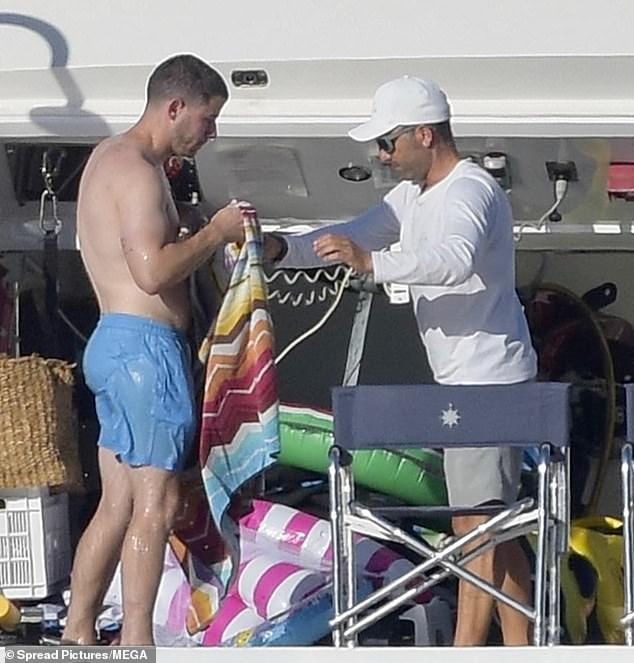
71, 326
303, 298
320, 324
561, 188
319, 274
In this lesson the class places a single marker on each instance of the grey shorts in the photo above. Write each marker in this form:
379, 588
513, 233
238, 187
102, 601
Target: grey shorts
475, 475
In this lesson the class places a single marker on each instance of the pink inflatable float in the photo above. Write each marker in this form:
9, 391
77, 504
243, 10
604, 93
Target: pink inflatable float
281, 594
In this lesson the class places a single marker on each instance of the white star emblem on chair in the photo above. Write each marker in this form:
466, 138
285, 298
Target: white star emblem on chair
450, 417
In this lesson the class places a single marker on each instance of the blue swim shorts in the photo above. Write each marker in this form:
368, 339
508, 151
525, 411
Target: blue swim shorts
139, 371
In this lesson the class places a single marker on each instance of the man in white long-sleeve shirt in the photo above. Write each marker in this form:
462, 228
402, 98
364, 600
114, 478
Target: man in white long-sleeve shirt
454, 225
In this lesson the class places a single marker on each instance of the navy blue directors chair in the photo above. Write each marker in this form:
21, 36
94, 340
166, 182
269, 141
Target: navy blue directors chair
433, 416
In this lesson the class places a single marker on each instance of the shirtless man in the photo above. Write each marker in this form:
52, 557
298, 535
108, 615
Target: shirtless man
137, 361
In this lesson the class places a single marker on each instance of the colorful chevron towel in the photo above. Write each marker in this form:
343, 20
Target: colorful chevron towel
240, 428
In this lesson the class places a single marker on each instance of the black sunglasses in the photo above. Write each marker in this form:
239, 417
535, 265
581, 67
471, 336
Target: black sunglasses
388, 143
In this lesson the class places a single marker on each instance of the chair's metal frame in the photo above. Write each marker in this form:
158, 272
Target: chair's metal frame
627, 484
548, 515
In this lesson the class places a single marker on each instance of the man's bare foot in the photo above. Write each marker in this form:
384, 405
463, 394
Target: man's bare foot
79, 636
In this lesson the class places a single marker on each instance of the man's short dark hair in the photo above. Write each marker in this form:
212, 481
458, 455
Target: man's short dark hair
443, 132
186, 76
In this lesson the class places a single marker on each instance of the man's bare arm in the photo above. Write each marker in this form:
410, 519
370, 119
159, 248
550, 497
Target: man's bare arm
155, 259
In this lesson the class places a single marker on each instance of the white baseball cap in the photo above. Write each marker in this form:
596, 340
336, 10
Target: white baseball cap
405, 101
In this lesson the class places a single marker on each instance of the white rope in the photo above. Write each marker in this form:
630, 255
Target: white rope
322, 322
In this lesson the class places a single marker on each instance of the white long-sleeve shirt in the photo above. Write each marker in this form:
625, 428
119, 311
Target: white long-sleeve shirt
457, 257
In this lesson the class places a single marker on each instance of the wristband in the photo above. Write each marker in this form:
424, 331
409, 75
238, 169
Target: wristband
284, 247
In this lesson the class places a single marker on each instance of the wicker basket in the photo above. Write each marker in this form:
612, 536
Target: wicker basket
38, 429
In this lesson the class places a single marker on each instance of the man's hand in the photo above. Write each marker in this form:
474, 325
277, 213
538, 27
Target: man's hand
335, 248
227, 222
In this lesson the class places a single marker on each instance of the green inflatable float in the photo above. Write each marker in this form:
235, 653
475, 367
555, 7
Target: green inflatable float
414, 476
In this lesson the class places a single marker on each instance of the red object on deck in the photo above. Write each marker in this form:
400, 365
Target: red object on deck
621, 180
173, 166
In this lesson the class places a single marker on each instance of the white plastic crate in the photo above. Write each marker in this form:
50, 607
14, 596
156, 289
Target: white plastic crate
35, 555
